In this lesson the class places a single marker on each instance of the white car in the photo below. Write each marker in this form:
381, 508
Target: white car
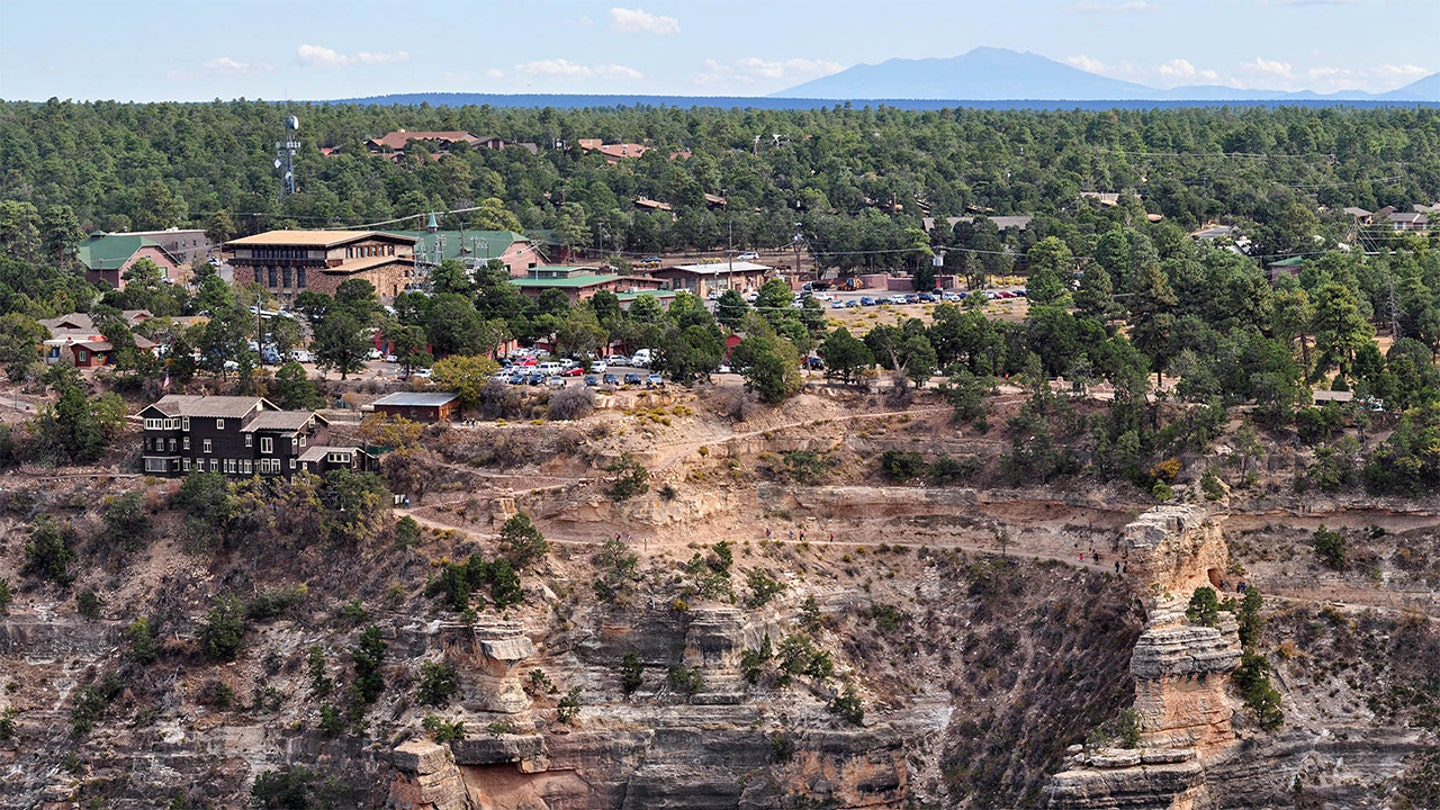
301, 356
599, 367
751, 296
374, 354
748, 257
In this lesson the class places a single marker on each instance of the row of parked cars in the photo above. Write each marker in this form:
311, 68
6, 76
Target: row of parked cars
631, 379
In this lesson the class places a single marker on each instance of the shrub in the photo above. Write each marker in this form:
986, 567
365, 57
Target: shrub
568, 404
632, 673
763, 588
88, 604
848, 705
7, 724
781, 748
1261, 699
1162, 492
283, 789
6, 597
369, 657
617, 566
127, 527
521, 542
273, 603
1211, 486
439, 682
320, 682
1330, 548
48, 554
216, 694
91, 701
631, 478
1204, 607
332, 723
897, 465
143, 648
441, 731
223, 634
688, 682
569, 707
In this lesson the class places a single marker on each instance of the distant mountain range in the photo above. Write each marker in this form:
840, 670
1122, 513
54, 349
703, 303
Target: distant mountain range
992, 74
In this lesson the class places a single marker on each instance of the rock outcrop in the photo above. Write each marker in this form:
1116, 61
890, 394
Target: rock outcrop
1181, 673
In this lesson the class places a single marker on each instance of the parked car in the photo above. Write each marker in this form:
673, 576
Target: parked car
642, 359
649, 261
927, 298
598, 367
813, 363
867, 301
723, 369
617, 360
422, 373
655, 380
535, 378
573, 372
591, 380
899, 299
851, 304
748, 257
751, 296
301, 356
838, 304
555, 381
374, 354
632, 378
611, 379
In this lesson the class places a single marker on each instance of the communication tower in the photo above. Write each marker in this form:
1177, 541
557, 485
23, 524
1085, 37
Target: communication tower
285, 156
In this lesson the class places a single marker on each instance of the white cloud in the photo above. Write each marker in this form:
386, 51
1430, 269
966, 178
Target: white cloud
752, 70
1181, 71
1085, 63
320, 56
570, 70
639, 21
1134, 7
1267, 67
234, 67
494, 73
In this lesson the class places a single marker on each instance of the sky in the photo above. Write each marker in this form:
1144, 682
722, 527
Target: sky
199, 50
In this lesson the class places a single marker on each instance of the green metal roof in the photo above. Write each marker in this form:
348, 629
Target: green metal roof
111, 251
583, 280
474, 243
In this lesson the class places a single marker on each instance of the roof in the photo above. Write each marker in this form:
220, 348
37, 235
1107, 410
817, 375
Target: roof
412, 399
716, 268
318, 452
581, 280
470, 244
1293, 261
1019, 221
84, 322
1213, 232
1356, 211
312, 238
141, 342
280, 420
112, 251
398, 138
367, 263
221, 407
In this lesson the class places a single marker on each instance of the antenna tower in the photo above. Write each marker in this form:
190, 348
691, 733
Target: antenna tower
285, 156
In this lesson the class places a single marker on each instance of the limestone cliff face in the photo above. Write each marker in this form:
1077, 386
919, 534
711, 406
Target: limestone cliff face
1181, 672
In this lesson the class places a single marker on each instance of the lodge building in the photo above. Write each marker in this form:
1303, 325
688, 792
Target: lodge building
239, 436
287, 262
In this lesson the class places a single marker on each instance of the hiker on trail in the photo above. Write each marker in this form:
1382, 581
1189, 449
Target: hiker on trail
832, 537
802, 535
617, 537
1117, 566
792, 535
767, 532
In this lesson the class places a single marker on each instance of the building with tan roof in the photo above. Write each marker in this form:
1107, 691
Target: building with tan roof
288, 262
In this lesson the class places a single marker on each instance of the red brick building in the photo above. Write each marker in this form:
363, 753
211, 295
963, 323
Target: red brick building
287, 262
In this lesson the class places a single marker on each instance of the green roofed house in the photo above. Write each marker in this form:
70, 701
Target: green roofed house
581, 283
1290, 267
475, 248
106, 257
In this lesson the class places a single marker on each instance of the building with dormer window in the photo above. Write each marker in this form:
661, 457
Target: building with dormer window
238, 436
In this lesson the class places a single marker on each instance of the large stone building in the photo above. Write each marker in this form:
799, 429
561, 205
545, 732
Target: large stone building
287, 262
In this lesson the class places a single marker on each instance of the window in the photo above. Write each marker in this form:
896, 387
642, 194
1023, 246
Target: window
248, 440
156, 465
186, 463
214, 465
205, 446
292, 463
302, 439
300, 277
245, 466
219, 424
185, 422
274, 276
185, 443
285, 276
267, 444
172, 445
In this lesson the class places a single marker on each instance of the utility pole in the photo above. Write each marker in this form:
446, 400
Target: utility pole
259, 330
729, 239
796, 242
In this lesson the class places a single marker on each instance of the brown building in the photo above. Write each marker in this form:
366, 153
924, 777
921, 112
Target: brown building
108, 257
420, 406
238, 436
287, 262
702, 279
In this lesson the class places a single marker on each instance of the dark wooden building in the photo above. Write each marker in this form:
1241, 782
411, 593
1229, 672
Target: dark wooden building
420, 406
236, 436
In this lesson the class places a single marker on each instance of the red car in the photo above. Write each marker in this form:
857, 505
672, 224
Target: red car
572, 372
